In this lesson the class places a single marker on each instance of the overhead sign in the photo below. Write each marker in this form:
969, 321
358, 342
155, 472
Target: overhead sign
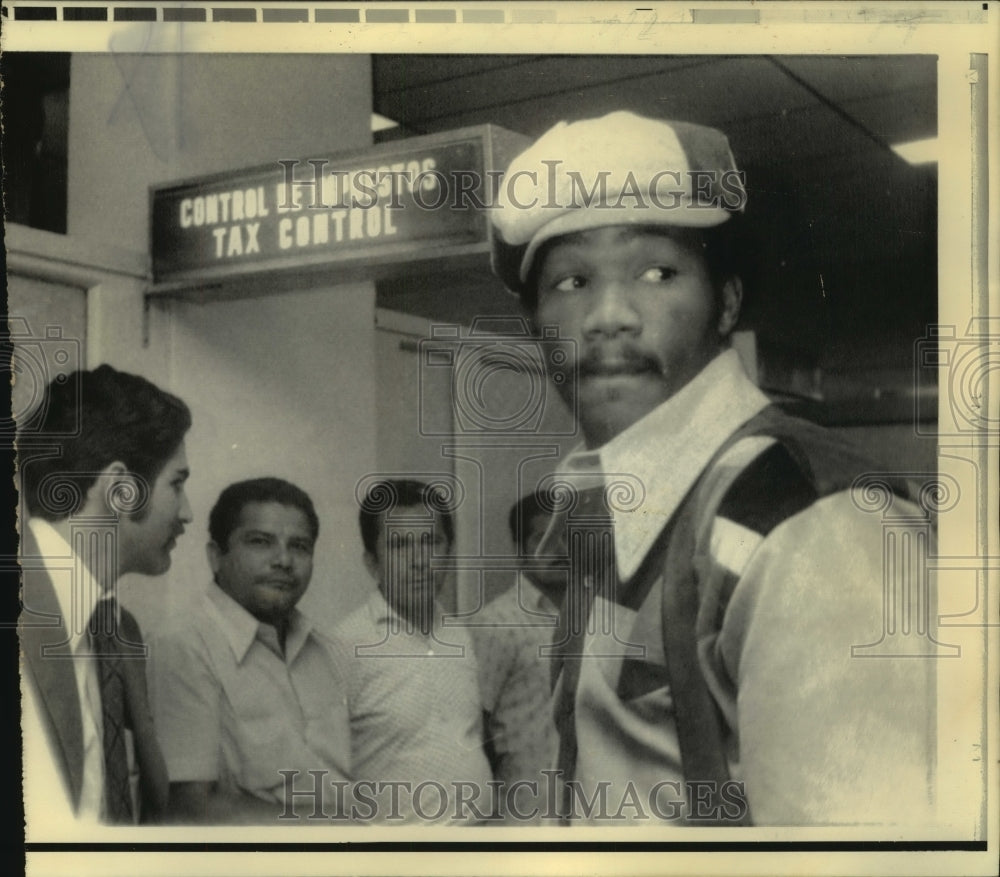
395, 202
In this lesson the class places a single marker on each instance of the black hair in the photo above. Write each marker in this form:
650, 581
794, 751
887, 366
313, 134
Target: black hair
728, 253
389, 493
225, 514
90, 419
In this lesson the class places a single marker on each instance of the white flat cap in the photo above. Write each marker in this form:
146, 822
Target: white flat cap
620, 169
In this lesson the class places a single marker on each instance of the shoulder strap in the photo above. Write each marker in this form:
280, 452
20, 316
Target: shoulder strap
699, 726
830, 461
828, 464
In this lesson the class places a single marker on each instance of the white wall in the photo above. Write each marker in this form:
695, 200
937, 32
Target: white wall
136, 120
281, 385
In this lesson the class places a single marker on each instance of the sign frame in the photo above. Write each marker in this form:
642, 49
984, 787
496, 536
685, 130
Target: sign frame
494, 147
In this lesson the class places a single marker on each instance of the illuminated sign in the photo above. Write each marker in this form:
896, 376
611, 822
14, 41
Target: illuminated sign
403, 201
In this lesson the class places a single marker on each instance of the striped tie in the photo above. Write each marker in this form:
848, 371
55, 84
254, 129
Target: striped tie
107, 651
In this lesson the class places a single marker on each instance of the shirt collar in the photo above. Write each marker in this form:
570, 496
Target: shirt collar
662, 455
77, 591
240, 628
380, 612
532, 595
378, 609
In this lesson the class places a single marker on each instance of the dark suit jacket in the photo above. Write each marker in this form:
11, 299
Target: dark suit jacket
48, 667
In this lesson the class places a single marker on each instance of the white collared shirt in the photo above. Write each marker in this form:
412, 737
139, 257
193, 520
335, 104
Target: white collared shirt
657, 459
232, 707
415, 709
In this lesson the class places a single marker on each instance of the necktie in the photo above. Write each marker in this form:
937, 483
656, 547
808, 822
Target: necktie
107, 652
592, 571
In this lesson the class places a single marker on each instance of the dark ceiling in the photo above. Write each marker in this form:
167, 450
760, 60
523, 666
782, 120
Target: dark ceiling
845, 230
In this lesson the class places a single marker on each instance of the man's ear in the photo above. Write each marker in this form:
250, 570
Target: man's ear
116, 491
214, 554
732, 301
371, 564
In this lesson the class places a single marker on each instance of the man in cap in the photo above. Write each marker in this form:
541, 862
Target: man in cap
706, 672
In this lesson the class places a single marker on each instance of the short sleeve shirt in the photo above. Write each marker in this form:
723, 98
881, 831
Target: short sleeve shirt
416, 716
233, 709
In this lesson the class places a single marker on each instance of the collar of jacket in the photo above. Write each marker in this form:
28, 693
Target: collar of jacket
650, 467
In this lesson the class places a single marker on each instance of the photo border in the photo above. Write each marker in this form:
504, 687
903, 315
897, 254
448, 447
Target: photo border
967, 247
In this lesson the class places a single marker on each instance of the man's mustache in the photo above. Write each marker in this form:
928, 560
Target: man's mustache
599, 361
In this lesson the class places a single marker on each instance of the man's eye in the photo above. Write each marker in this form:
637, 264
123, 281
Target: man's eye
567, 284
658, 274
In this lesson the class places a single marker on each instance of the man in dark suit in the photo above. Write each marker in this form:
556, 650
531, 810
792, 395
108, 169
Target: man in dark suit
102, 475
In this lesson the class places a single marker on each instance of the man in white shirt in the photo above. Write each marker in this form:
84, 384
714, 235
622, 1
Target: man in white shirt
245, 687
707, 672
103, 473
412, 689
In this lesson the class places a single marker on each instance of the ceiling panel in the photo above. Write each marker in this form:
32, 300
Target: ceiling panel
894, 97
513, 89
841, 79
536, 93
394, 74
397, 73
904, 115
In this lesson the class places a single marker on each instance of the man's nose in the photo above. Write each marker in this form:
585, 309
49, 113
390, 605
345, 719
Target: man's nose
282, 556
610, 310
420, 551
185, 515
